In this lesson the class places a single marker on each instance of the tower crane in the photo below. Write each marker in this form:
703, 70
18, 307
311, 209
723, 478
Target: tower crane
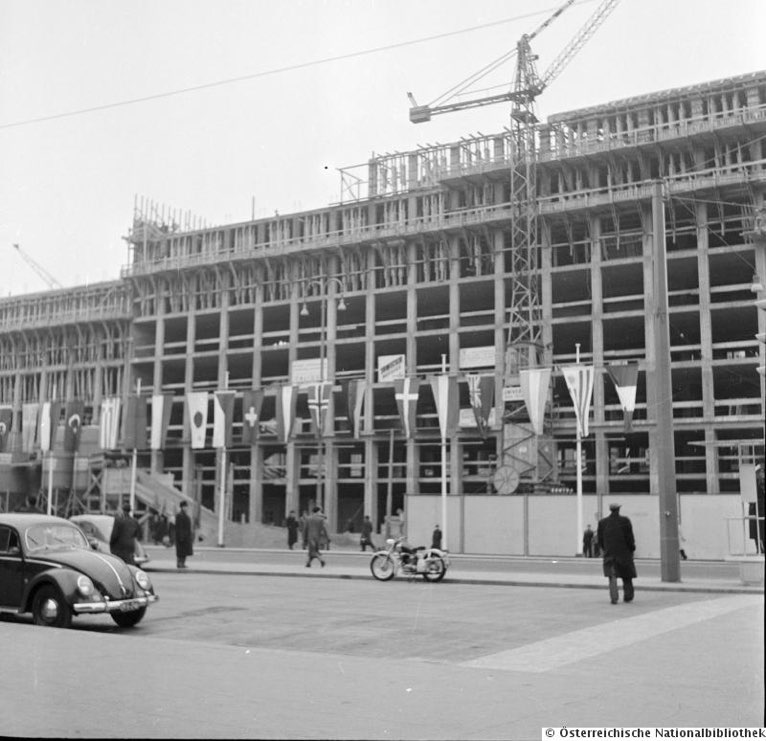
525, 327
39, 269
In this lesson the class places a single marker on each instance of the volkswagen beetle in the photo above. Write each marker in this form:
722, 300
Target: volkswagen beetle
48, 569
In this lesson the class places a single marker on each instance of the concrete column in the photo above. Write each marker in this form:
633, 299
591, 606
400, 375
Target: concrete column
188, 453
371, 481
413, 453
255, 492
370, 449
157, 456
500, 332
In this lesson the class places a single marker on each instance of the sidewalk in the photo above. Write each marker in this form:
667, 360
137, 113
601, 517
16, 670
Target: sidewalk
351, 565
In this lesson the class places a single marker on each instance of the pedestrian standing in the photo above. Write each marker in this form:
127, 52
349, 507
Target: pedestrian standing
587, 542
183, 536
292, 529
125, 531
316, 534
615, 539
366, 537
436, 538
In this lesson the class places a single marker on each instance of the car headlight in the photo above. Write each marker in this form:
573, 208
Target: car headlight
85, 586
143, 580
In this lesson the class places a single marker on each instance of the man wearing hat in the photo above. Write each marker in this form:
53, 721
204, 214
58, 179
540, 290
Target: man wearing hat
122, 542
615, 539
184, 537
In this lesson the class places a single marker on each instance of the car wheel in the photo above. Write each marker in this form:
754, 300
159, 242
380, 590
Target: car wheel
49, 608
129, 619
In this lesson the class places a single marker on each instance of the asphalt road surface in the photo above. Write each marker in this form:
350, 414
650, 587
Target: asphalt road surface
243, 656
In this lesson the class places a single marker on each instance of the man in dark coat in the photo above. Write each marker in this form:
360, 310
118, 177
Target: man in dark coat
292, 529
587, 542
316, 534
183, 535
125, 531
366, 537
756, 511
436, 537
615, 540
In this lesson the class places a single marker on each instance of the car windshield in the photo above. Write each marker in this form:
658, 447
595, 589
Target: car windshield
53, 536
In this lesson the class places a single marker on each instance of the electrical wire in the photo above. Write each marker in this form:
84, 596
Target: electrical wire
267, 73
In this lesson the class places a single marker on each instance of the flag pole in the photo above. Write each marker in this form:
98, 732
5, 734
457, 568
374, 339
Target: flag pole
134, 464
222, 497
445, 542
578, 464
49, 507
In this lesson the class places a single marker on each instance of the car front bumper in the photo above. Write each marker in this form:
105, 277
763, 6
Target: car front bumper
115, 605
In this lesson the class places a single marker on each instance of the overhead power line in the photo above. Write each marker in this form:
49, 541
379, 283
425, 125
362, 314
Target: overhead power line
275, 71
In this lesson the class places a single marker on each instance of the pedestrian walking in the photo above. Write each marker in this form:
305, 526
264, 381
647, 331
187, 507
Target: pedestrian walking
756, 510
436, 537
366, 537
292, 529
316, 533
587, 542
125, 531
183, 536
614, 536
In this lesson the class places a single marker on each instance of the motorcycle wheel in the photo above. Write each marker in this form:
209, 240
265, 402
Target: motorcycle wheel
382, 567
435, 569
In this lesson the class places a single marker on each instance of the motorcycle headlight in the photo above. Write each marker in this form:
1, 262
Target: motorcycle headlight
143, 580
390, 541
85, 586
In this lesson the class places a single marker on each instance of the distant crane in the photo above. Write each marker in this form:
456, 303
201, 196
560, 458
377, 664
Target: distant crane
525, 330
39, 269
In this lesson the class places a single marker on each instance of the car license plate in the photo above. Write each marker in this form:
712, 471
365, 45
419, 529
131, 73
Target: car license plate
130, 605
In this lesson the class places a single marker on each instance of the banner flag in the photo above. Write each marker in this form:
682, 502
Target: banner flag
625, 379
197, 403
29, 415
319, 401
223, 419
354, 391
109, 423
535, 384
136, 420
50, 411
406, 392
445, 393
286, 400
162, 406
251, 413
579, 380
481, 393
6, 422
73, 428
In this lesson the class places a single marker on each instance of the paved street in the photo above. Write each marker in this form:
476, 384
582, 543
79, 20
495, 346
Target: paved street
237, 654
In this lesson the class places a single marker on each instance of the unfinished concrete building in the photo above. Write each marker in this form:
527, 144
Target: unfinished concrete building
416, 268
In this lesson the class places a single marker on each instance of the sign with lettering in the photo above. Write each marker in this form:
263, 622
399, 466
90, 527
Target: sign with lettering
390, 367
307, 371
477, 357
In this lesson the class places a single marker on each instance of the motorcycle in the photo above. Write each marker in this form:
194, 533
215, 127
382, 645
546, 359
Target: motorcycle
397, 558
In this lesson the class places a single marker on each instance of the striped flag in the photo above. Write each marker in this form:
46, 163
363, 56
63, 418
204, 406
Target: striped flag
6, 422
286, 400
625, 379
579, 380
197, 403
252, 401
162, 406
319, 402
109, 423
406, 391
223, 418
73, 416
50, 411
445, 393
354, 391
481, 394
535, 383
29, 415
136, 419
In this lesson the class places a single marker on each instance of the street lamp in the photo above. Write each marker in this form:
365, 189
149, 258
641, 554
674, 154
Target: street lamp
324, 297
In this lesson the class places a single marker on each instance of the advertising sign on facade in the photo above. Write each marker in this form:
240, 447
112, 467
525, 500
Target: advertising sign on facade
307, 371
477, 357
390, 367
512, 393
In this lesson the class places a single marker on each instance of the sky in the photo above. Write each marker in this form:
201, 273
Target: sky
314, 86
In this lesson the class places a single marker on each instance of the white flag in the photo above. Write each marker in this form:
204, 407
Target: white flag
579, 380
535, 383
197, 401
109, 424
